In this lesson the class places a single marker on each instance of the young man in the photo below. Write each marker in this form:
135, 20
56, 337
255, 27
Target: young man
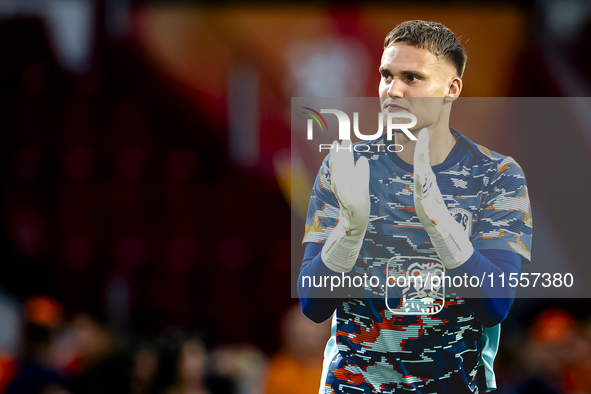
441, 203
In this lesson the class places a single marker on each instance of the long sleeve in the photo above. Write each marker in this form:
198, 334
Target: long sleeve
491, 300
318, 302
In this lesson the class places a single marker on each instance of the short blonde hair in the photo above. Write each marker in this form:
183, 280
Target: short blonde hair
434, 37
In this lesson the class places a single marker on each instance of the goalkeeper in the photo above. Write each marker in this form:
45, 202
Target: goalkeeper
442, 197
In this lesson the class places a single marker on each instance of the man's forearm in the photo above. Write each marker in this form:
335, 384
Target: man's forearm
490, 301
318, 302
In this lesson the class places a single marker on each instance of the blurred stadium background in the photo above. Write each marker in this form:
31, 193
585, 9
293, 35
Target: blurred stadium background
146, 180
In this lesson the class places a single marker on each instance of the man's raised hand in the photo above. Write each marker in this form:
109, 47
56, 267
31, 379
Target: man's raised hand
350, 185
451, 243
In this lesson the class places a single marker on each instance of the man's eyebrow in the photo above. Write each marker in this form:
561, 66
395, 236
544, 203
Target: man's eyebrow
413, 72
384, 70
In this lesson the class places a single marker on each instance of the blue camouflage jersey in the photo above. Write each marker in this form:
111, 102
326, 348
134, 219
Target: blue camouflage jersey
428, 340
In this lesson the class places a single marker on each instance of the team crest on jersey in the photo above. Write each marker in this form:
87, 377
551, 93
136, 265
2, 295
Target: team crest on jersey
415, 285
464, 217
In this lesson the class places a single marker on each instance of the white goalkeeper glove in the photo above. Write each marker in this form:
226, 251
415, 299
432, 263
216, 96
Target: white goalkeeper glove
451, 243
350, 185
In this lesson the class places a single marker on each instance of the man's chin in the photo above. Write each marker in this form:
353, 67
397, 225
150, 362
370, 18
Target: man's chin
413, 131
401, 121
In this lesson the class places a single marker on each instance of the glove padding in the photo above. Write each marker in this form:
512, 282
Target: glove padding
350, 185
451, 243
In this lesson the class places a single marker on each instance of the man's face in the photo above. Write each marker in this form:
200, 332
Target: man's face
409, 74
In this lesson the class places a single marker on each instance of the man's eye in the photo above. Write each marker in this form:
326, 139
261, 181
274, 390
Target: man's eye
411, 78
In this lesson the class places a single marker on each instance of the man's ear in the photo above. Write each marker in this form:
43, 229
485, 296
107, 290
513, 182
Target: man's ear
455, 88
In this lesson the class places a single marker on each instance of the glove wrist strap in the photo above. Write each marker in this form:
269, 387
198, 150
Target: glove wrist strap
340, 251
453, 247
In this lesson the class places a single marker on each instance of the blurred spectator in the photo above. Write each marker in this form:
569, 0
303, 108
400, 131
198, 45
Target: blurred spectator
101, 366
300, 359
242, 364
183, 368
557, 356
577, 377
34, 372
7, 371
145, 369
191, 369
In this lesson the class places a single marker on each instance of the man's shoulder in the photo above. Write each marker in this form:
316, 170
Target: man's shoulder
502, 163
491, 155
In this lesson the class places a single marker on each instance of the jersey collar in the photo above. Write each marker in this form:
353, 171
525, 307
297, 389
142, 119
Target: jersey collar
381, 140
471, 144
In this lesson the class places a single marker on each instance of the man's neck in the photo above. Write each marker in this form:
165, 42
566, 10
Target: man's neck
441, 142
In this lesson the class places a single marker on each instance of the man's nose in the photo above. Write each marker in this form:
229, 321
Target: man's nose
396, 88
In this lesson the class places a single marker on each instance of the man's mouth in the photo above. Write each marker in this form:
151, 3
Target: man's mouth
394, 108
